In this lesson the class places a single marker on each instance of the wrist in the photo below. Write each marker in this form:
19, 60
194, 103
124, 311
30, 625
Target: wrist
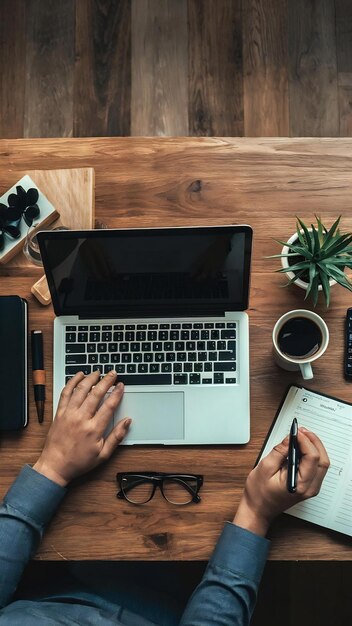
42, 468
250, 520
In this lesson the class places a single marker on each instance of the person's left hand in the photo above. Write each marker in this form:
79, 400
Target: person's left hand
75, 443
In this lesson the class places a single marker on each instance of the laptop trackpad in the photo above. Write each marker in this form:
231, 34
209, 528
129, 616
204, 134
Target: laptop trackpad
157, 416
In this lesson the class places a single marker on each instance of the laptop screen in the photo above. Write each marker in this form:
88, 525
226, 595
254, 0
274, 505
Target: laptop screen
148, 272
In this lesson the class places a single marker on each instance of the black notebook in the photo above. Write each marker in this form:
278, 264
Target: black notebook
13, 363
330, 419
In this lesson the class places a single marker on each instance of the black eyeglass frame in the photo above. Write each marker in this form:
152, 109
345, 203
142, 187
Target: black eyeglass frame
157, 479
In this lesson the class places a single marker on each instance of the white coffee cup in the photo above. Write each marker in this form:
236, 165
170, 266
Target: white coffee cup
294, 363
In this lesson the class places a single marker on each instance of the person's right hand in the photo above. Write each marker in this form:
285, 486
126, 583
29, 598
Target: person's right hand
265, 494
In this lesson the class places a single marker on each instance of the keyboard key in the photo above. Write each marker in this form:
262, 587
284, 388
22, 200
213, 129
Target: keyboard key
184, 335
141, 326
225, 366
112, 347
198, 367
141, 335
107, 327
163, 335
197, 325
118, 336
137, 357
166, 367
209, 325
192, 356
131, 368
72, 348
190, 346
207, 381
221, 345
218, 379
115, 358
168, 346
215, 334
174, 335
129, 336
186, 325
170, 356
94, 336
70, 337
204, 335
82, 328
200, 345
108, 368
107, 336
146, 347
231, 345
95, 328
202, 356
181, 356
176, 326
130, 326
220, 325
211, 345
164, 326
226, 356
179, 346
157, 346
146, 379
71, 329
208, 367
102, 347
123, 347
154, 367
75, 359
187, 367
104, 358
194, 379
181, 379
230, 381
152, 335
118, 327
92, 358
120, 369
159, 357
231, 325
83, 337
142, 368
135, 347
212, 356
152, 326
73, 369
148, 357
91, 347
194, 335
177, 367
229, 333
126, 357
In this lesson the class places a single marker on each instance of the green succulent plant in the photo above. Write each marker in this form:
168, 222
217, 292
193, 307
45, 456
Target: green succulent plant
321, 254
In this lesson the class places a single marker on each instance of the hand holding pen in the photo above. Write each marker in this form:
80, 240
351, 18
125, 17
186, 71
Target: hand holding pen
293, 458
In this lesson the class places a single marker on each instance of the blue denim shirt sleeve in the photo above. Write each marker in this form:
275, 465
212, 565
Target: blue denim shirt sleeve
227, 593
27, 507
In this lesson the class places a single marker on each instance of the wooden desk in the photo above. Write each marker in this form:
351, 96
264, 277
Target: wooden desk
162, 182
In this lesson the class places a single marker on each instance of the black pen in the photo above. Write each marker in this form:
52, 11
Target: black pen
293, 458
38, 372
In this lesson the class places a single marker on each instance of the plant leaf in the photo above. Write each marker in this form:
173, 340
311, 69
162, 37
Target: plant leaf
304, 265
320, 230
338, 246
330, 233
306, 233
316, 242
326, 286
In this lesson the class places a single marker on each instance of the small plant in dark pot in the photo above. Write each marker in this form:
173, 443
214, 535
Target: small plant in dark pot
315, 258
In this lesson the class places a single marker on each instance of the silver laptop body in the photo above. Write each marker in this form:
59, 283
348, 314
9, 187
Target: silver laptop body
166, 309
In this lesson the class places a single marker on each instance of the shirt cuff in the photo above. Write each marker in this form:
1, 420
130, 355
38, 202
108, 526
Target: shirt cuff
241, 552
34, 495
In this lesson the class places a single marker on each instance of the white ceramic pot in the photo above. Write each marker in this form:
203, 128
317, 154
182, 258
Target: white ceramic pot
284, 262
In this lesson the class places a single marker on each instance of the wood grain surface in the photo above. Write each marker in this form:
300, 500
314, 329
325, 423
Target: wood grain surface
265, 60
159, 67
102, 96
215, 68
160, 182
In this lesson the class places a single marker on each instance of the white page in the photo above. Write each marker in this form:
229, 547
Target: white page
331, 420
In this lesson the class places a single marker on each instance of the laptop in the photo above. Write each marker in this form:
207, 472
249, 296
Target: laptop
165, 308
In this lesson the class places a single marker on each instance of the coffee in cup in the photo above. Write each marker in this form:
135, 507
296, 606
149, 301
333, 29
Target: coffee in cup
299, 337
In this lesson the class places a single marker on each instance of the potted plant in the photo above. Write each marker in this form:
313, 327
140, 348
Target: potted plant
315, 258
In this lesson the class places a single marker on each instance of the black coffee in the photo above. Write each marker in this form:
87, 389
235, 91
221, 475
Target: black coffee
300, 338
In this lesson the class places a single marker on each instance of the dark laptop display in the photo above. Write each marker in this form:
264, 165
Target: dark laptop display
154, 271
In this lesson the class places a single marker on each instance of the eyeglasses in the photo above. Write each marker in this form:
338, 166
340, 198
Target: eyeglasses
139, 488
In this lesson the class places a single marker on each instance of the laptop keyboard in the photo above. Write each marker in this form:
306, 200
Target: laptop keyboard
189, 353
